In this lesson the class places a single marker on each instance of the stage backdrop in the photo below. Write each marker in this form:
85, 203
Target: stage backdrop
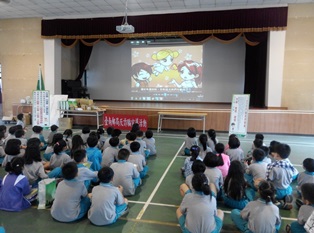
211, 72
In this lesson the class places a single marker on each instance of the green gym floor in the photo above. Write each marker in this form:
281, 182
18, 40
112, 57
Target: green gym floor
153, 207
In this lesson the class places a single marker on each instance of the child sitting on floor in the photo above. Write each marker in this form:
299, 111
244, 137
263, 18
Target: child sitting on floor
138, 159
235, 186
280, 173
126, 174
197, 211
53, 131
190, 140
305, 210
93, 153
14, 187
108, 203
71, 201
260, 215
234, 151
150, 142
188, 162
110, 154
33, 168
38, 133
84, 173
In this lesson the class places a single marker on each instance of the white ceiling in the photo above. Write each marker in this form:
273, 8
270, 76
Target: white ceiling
50, 9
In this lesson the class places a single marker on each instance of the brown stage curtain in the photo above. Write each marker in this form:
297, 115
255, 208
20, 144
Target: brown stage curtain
192, 23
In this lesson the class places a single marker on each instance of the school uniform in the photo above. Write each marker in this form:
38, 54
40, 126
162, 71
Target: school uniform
68, 140
94, 155
48, 153
258, 217
235, 202
50, 136
143, 150
199, 213
13, 188
21, 123
139, 160
71, 202
150, 144
84, 137
211, 143
109, 156
304, 177
188, 143
41, 139
126, 175
305, 212
280, 173
107, 144
127, 146
34, 172
86, 175
101, 142
203, 152
235, 154
214, 175
10, 136
107, 204
59, 160
8, 158
188, 182
256, 170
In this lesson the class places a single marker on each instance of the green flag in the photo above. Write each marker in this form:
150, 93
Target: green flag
40, 81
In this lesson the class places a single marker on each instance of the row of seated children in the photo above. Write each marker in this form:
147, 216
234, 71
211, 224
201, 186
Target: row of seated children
121, 166
236, 197
207, 144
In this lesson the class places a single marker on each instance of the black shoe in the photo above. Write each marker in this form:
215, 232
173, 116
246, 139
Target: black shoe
299, 203
288, 228
288, 199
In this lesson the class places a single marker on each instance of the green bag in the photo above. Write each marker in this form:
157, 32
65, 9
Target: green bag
46, 192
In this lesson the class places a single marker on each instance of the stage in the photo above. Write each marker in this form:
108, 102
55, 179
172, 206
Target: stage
218, 117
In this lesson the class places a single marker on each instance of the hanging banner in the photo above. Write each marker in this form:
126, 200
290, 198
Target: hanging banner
125, 122
41, 108
239, 115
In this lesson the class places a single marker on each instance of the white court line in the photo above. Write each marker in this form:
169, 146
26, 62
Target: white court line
290, 219
139, 216
153, 203
175, 206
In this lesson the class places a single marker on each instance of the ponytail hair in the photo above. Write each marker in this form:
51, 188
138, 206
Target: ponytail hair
212, 135
219, 148
15, 166
203, 140
267, 191
195, 151
58, 147
200, 183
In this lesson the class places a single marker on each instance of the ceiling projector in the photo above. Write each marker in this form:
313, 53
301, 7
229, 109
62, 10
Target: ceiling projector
125, 28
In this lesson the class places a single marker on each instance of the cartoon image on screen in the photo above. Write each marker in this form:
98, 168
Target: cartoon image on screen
166, 72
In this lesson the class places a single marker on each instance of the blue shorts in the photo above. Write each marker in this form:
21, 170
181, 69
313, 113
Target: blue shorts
281, 193
185, 230
234, 203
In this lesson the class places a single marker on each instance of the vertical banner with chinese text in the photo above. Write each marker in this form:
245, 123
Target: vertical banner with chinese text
239, 115
125, 122
41, 108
